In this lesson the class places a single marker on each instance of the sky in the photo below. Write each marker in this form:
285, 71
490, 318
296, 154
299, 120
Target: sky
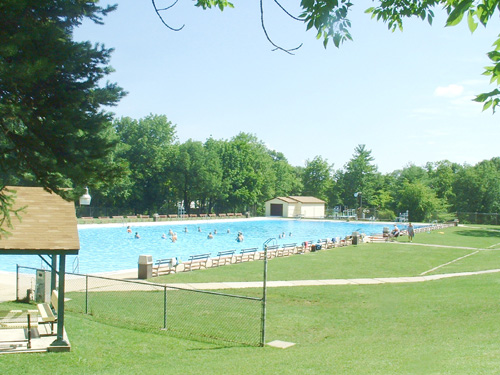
406, 95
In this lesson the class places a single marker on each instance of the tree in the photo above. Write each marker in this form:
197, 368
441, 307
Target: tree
247, 171
55, 133
330, 19
442, 175
477, 188
191, 173
317, 178
359, 177
419, 200
287, 179
147, 145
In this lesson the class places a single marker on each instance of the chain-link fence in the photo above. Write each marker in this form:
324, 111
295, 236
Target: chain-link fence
478, 218
197, 314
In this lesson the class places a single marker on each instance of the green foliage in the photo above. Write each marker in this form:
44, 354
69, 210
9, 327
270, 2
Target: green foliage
329, 18
386, 215
55, 133
317, 178
359, 176
147, 146
419, 199
247, 169
477, 189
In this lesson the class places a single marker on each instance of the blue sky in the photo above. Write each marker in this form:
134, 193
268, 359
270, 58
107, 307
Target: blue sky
406, 95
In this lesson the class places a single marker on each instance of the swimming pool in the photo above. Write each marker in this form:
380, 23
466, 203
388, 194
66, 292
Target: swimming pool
105, 248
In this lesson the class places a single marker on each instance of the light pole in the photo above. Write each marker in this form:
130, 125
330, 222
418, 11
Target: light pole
358, 194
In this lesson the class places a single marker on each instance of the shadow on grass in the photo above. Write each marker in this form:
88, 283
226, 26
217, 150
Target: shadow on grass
479, 233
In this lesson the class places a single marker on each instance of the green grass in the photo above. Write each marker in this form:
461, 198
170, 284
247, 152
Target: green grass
365, 260
449, 326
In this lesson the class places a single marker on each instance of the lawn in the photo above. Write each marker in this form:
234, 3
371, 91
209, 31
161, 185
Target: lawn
448, 326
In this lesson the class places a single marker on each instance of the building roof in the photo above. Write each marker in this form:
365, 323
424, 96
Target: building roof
286, 199
307, 199
299, 199
48, 224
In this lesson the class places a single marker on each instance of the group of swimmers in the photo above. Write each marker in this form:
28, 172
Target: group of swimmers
173, 235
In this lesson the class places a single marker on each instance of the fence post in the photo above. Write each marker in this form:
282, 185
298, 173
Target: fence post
165, 307
17, 282
264, 300
86, 294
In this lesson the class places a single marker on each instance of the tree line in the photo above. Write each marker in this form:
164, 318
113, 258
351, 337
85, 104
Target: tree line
241, 173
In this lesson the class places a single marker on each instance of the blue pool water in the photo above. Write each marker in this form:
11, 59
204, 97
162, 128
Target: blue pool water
105, 248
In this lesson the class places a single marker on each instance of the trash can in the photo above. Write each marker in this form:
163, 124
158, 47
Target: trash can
145, 265
385, 232
355, 238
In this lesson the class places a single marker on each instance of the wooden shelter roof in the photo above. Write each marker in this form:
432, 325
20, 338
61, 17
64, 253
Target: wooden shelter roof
301, 199
307, 199
48, 224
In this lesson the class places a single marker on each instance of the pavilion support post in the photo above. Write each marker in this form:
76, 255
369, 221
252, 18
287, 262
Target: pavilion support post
53, 274
60, 342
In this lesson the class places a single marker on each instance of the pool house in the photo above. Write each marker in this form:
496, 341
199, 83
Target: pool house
296, 206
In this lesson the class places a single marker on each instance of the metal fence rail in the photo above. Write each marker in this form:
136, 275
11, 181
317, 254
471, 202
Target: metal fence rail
152, 307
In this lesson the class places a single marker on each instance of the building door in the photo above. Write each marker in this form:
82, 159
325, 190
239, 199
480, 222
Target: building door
276, 209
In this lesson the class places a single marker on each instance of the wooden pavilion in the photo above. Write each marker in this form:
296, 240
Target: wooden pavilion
47, 228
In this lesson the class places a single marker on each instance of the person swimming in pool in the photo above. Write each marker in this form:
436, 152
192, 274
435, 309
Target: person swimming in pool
137, 235
174, 236
129, 230
163, 236
210, 236
240, 237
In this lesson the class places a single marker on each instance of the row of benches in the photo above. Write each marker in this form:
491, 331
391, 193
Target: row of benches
170, 216
199, 261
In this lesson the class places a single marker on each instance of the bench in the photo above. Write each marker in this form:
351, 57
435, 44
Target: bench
172, 216
238, 214
289, 249
131, 216
87, 218
48, 313
196, 262
223, 258
163, 267
246, 255
203, 215
19, 319
212, 215
193, 215
230, 214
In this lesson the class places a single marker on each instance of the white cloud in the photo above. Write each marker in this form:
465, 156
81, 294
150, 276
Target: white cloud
450, 91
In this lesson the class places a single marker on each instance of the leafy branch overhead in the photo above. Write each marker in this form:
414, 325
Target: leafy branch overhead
330, 19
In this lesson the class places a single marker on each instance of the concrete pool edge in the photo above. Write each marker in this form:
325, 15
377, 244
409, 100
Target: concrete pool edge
208, 220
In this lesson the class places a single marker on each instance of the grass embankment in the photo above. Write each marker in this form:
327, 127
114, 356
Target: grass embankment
442, 327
